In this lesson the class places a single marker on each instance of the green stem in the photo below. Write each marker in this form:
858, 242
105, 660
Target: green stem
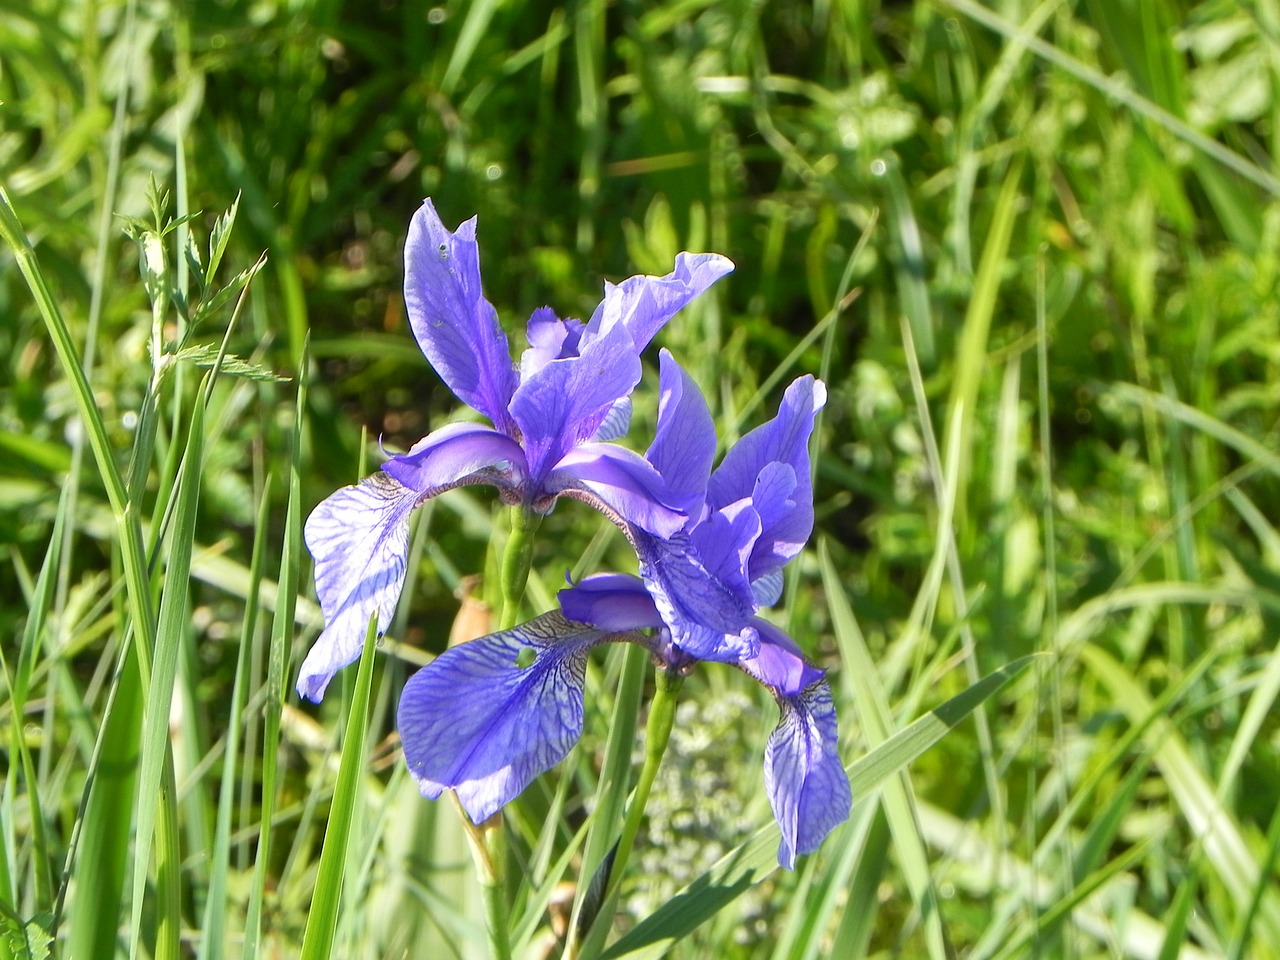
657, 733
662, 715
516, 562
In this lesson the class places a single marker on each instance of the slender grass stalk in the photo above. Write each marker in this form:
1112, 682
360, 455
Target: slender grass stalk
322, 918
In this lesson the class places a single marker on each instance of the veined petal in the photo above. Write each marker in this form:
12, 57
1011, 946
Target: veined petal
456, 454
783, 440
611, 601
707, 618
621, 484
454, 324
643, 304
807, 786
768, 588
477, 721
616, 422
566, 401
685, 442
359, 538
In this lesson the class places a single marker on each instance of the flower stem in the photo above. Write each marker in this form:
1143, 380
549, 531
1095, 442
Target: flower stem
487, 854
662, 715
516, 562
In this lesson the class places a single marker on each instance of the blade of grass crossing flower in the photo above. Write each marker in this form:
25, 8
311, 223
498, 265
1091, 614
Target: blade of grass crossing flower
156, 757
896, 796
322, 918
811, 916
212, 930
282, 626
757, 857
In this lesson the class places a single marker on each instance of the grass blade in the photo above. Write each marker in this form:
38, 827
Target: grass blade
322, 919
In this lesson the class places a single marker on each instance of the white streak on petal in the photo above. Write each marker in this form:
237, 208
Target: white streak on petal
359, 538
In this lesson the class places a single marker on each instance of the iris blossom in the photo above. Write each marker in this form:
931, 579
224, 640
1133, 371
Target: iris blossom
488, 716
551, 416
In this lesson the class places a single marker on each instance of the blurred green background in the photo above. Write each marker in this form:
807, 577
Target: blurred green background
1065, 212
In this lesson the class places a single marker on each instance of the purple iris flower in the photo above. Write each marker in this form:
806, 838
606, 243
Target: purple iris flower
488, 716
552, 415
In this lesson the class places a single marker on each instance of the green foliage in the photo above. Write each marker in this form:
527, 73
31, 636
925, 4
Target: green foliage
1033, 247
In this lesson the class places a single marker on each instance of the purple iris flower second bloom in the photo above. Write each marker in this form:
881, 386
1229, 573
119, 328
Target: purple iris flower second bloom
488, 716
551, 414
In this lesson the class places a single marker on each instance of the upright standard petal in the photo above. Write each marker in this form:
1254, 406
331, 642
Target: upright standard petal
564, 403
783, 440
359, 538
643, 304
481, 720
454, 324
807, 786
684, 444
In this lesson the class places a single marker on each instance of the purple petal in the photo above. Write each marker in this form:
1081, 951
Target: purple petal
454, 324
611, 601
806, 783
780, 665
768, 588
550, 338
642, 304
724, 541
784, 440
621, 484
707, 618
474, 720
457, 454
566, 401
359, 538
685, 443
616, 422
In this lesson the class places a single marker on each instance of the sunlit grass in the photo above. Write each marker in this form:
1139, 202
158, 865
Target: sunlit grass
1034, 253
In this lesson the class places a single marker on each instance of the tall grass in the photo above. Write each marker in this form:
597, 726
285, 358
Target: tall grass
1032, 247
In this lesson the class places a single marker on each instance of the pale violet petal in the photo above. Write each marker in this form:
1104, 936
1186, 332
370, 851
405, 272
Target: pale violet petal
806, 783
779, 664
488, 716
643, 304
564, 403
359, 539
684, 444
783, 441
611, 601
616, 422
454, 324
768, 588
621, 484
457, 454
707, 618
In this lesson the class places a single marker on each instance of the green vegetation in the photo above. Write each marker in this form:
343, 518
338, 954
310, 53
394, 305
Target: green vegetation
1032, 247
